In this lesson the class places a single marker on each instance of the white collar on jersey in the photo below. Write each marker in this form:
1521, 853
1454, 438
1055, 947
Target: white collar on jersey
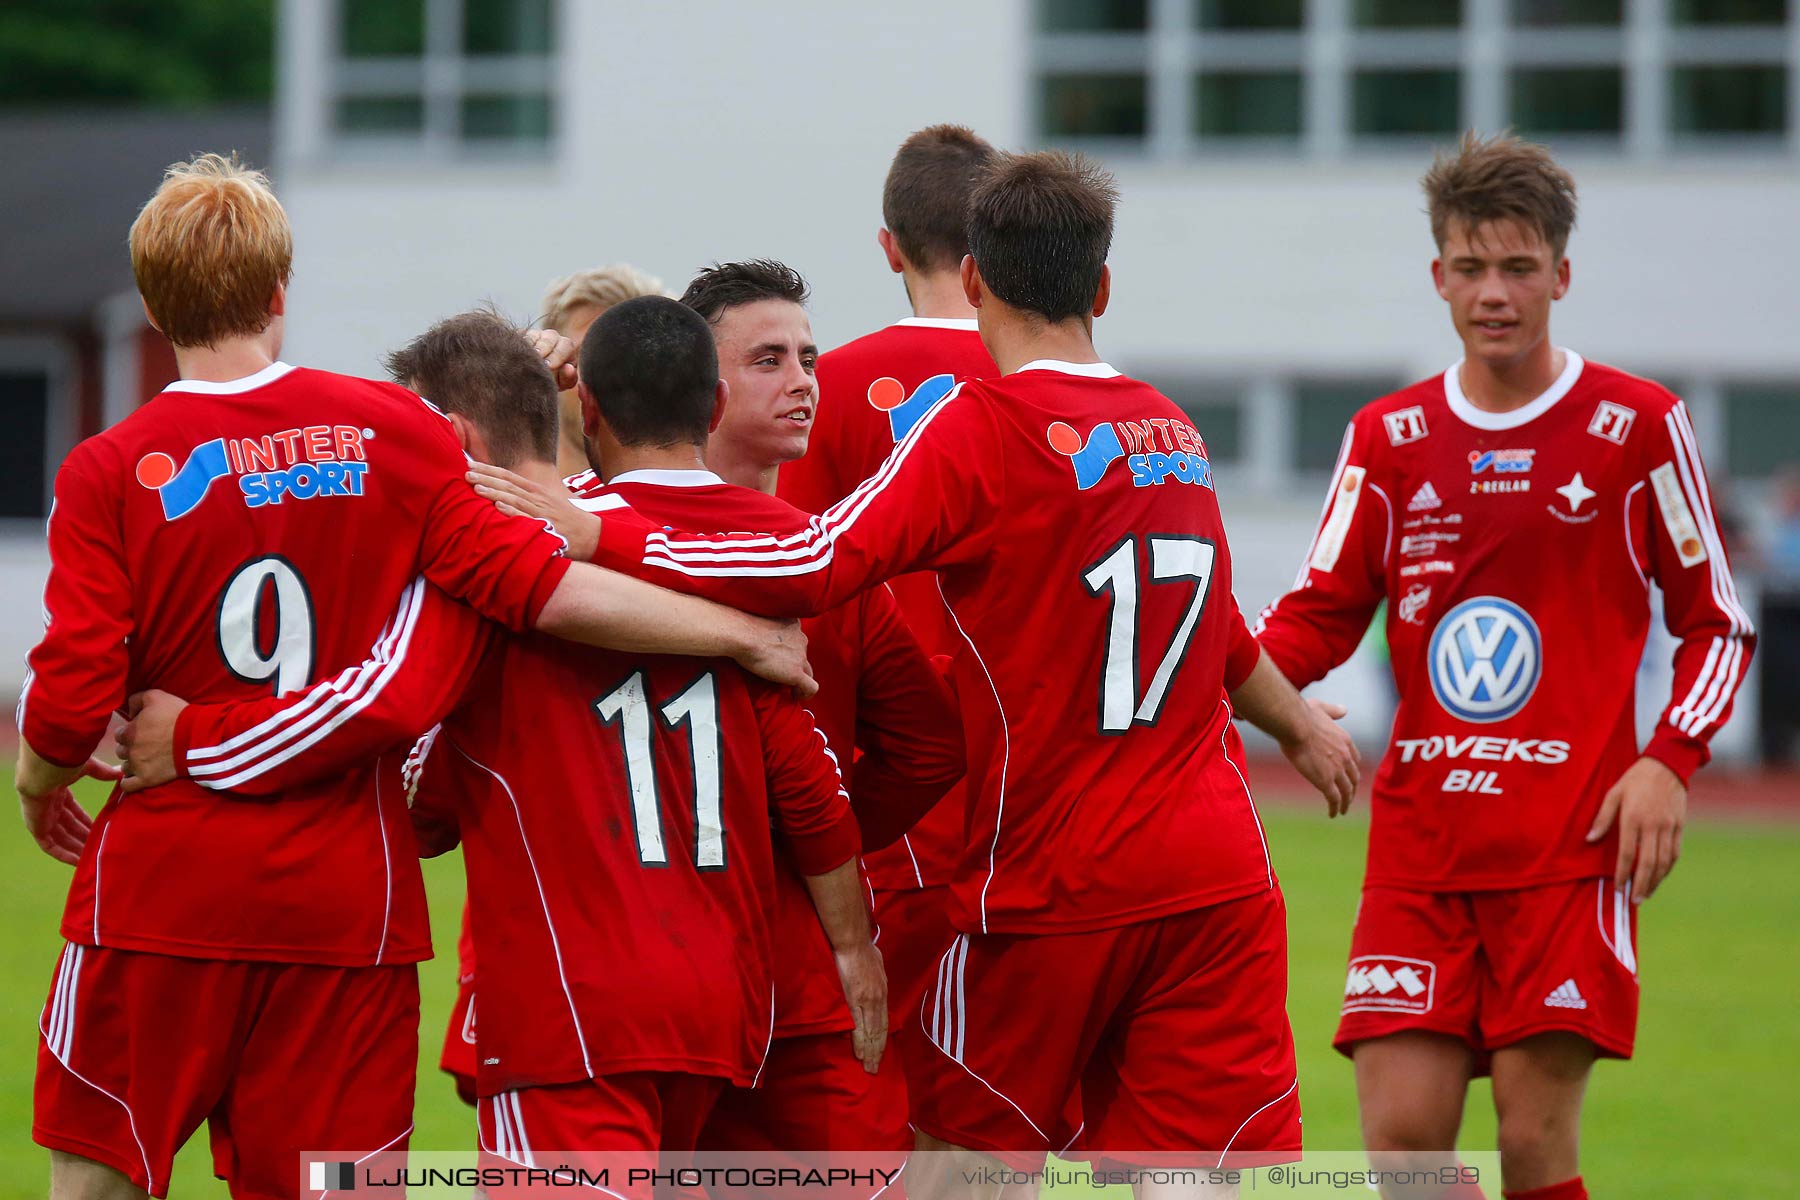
963, 323
663, 477
1480, 418
232, 387
1091, 370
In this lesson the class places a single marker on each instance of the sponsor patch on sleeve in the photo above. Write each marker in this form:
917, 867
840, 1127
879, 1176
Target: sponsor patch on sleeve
1677, 517
1337, 523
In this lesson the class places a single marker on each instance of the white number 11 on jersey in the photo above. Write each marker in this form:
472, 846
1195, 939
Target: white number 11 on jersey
1171, 557
628, 708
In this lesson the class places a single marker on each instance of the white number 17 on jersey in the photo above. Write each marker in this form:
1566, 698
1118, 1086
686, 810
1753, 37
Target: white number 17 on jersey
1172, 557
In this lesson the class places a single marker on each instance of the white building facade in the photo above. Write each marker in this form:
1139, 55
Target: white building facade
1271, 260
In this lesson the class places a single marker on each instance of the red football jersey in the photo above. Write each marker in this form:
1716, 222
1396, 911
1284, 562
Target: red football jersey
614, 812
876, 690
871, 391
229, 540
1069, 512
1516, 552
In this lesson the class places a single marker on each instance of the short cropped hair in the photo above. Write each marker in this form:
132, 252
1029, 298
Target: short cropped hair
925, 201
597, 288
477, 364
653, 371
1499, 178
209, 249
725, 286
1040, 226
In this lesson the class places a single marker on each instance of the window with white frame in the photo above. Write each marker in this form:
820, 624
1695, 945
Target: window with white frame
1175, 78
443, 78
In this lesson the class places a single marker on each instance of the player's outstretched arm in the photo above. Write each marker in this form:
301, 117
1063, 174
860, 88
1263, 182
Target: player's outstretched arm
1684, 553
1318, 625
1306, 730
414, 675
929, 506
605, 608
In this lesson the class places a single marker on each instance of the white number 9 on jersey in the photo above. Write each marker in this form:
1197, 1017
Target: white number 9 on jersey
288, 660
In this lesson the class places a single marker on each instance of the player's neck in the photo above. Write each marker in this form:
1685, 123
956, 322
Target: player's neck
541, 471
222, 362
735, 468
621, 459
938, 295
571, 457
1505, 386
1015, 341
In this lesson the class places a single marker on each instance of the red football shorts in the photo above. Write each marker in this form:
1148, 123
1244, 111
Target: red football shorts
139, 1049
1174, 1031
813, 1094
1492, 968
915, 928
458, 1059
627, 1118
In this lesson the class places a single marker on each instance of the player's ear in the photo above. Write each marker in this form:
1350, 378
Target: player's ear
895, 263
469, 436
590, 410
972, 285
278, 302
1437, 277
1103, 295
721, 397
149, 316
1562, 279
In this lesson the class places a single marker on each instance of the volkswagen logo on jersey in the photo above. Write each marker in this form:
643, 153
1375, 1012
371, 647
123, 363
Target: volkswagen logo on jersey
1485, 659
299, 463
1178, 455
903, 411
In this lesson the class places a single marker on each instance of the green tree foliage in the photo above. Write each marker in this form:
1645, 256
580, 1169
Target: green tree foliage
160, 53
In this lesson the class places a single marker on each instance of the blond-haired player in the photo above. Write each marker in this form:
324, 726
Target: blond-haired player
570, 305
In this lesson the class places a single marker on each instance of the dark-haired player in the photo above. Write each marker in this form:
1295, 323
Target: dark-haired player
871, 391
1513, 512
1115, 849
614, 809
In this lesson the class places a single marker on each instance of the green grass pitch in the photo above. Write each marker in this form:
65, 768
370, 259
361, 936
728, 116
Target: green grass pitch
1700, 1112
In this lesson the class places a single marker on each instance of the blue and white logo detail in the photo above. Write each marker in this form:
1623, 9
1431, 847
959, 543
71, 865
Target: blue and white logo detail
1485, 659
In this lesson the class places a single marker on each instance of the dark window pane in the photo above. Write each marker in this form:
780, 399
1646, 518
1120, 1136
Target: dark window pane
24, 409
1221, 427
374, 28
1407, 14
1762, 428
1094, 105
1322, 407
1569, 100
1728, 12
506, 27
1739, 99
1568, 12
1249, 14
1408, 102
381, 114
1082, 16
1249, 103
506, 118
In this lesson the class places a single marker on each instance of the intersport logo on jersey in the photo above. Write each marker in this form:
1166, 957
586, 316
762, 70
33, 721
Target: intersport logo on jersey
1485, 659
300, 463
1155, 450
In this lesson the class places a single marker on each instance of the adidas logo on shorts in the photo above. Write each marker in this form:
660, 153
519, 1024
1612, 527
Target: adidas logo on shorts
1566, 995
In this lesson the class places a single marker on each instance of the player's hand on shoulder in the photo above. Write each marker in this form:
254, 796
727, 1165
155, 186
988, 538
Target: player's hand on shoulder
559, 354
865, 986
146, 743
776, 650
1325, 755
517, 496
1649, 804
